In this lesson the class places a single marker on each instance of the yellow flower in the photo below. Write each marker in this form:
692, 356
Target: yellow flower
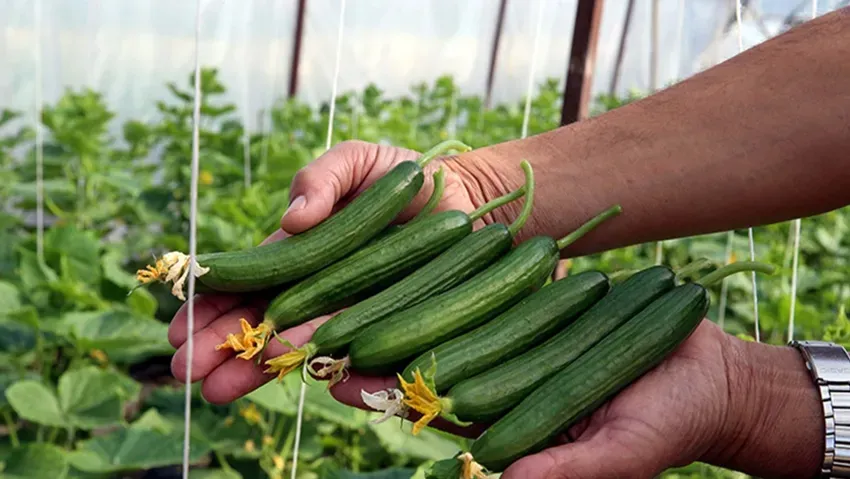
251, 341
228, 421
99, 356
285, 363
733, 258
251, 414
205, 178
268, 440
422, 399
471, 469
278, 462
249, 446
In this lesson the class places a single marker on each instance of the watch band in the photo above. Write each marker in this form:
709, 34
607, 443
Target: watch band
829, 365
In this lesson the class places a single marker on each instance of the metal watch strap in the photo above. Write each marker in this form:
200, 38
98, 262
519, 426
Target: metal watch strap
829, 365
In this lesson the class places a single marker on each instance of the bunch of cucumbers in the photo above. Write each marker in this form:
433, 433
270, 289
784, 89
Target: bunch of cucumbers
470, 323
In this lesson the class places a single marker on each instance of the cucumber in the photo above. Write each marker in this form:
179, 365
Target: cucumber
383, 346
298, 256
527, 324
577, 390
385, 261
461, 261
486, 396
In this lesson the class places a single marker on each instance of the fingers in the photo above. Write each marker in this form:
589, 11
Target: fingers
205, 357
342, 172
601, 456
236, 377
208, 308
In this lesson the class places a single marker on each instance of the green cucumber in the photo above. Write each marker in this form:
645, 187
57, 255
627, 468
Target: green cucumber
486, 396
383, 346
298, 256
527, 324
577, 390
461, 261
383, 262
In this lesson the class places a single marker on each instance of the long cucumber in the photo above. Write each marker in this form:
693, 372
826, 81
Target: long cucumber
387, 260
461, 261
574, 392
527, 324
489, 394
382, 347
298, 256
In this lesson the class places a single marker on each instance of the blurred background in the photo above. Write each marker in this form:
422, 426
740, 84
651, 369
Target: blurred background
96, 95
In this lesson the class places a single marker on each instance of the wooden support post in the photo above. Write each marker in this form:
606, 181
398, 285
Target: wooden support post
494, 52
296, 47
621, 50
582, 59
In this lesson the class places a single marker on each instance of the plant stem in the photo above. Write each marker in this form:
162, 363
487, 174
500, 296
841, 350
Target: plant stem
440, 149
528, 189
733, 268
693, 267
54, 433
13, 428
503, 200
585, 228
436, 195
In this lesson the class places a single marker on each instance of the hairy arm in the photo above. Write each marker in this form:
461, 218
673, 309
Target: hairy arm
759, 139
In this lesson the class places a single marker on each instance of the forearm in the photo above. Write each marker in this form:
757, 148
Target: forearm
774, 426
759, 139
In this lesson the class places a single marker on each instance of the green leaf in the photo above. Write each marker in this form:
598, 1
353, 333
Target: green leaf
111, 262
426, 445
35, 402
91, 397
16, 337
214, 474
34, 274
120, 334
81, 248
143, 302
10, 298
139, 446
36, 461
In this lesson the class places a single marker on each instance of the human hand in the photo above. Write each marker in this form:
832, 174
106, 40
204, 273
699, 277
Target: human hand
318, 190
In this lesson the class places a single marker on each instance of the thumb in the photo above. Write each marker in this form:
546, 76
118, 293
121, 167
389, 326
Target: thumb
601, 456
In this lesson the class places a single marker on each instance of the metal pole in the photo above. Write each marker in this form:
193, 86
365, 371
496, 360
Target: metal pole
582, 59
494, 51
618, 63
296, 47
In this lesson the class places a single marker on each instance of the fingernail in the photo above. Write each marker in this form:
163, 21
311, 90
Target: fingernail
297, 204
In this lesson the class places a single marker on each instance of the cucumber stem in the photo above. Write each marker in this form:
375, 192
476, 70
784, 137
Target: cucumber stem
525, 213
591, 224
440, 149
436, 195
498, 202
693, 267
733, 268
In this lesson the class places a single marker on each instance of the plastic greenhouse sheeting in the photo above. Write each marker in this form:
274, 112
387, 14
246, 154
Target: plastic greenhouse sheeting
129, 49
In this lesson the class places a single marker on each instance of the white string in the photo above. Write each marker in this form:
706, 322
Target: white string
246, 145
39, 138
724, 287
336, 75
300, 416
750, 229
193, 217
798, 226
530, 87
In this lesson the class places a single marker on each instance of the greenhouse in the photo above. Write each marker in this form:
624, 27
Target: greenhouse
151, 148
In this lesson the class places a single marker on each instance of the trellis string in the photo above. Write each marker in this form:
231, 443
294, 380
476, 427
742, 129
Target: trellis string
193, 217
797, 226
39, 138
531, 71
246, 143
752, 242
334, 85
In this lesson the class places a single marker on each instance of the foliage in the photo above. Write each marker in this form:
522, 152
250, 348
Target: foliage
82, 397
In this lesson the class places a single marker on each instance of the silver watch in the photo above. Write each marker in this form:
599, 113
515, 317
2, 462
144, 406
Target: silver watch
829, 365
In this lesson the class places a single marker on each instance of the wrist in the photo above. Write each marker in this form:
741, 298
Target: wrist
774, 424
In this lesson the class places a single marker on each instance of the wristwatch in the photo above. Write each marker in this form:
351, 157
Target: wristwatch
829, 365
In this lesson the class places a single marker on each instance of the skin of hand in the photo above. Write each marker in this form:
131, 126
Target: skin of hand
779, 107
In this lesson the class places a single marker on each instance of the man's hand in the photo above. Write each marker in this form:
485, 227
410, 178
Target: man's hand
318, 190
